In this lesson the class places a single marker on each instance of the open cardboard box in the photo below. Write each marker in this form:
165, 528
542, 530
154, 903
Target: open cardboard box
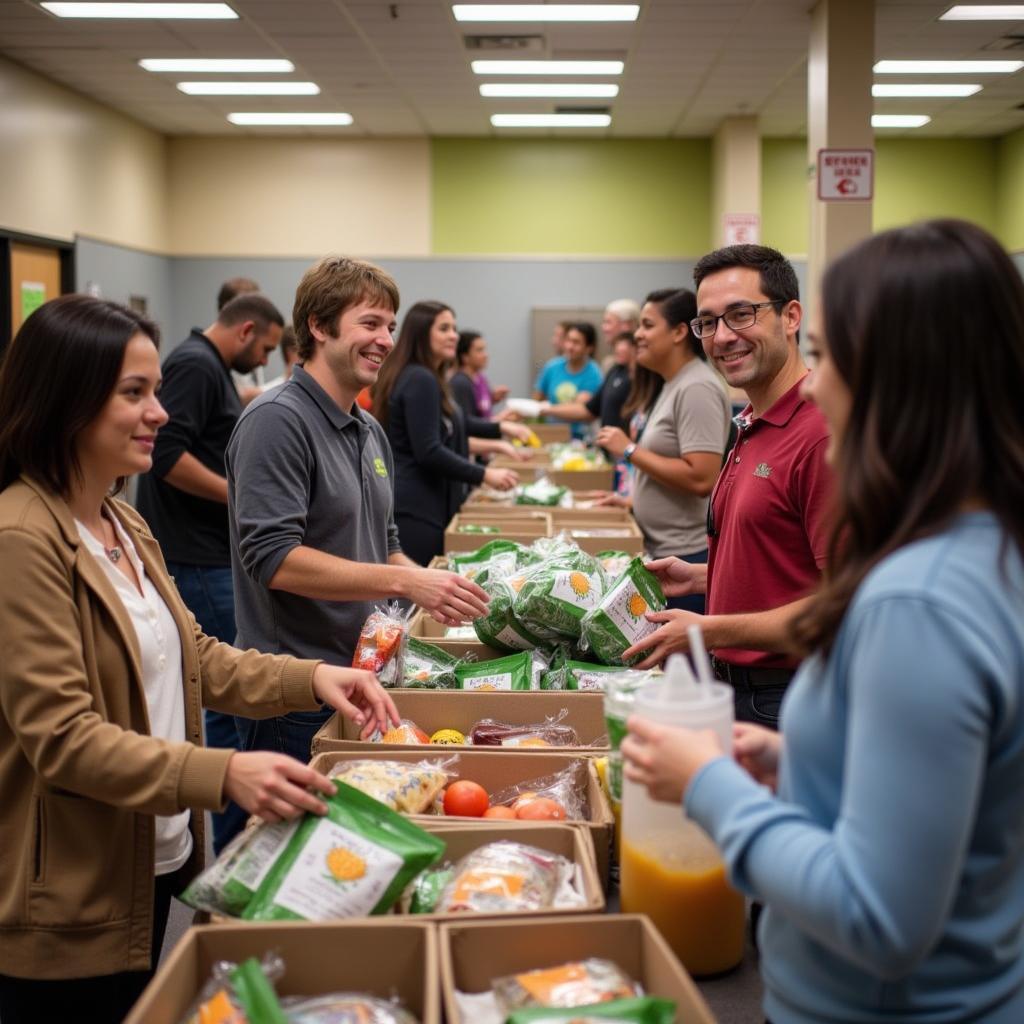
521, 530
495, 770
611, 536
551, 433
395, 957
573, 842
423, 627
462, 709
474, 953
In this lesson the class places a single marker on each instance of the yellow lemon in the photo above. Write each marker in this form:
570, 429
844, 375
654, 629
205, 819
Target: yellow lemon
344, 865
450, 737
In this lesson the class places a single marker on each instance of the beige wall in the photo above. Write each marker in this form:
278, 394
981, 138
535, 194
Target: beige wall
70, 166
241, 196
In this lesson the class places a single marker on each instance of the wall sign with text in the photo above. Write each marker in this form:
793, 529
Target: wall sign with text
846, 175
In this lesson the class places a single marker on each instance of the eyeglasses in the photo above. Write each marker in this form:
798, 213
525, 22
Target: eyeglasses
736, 319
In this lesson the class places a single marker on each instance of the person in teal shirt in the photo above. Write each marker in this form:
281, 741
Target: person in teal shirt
574, 376
890, 856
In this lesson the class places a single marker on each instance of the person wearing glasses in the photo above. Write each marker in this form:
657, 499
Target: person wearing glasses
767, 533
884, 826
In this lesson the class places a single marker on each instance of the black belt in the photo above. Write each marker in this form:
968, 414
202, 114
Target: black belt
751, 678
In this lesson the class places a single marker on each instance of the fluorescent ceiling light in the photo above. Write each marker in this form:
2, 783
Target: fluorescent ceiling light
249, 88
547, 67
118, 10
555, 90
215, 66
279, 118
545, 12
947, 67
933, 89
899, 120
551, 120
984, 12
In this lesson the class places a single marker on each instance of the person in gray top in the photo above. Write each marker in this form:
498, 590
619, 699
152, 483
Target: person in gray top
311, 496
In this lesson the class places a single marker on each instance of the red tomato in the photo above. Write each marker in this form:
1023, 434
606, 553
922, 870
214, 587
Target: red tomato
540, 808
500, 812
465, 799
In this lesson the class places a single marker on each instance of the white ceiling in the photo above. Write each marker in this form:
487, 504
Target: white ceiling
403, 69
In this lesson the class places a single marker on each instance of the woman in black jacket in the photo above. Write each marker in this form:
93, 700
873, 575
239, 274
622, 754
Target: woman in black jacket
429, 433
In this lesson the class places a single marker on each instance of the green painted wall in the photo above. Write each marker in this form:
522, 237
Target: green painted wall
785, 214
644, 197
1010, 191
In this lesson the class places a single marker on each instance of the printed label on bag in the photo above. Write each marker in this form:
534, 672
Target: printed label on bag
626, 607
262, 851
510, 637
577, 588
339, 873
498, 681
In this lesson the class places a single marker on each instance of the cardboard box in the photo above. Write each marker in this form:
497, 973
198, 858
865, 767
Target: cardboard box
474, 952
395, 956
522, 530
570, 841
462, 709
551, 433
603, 514
423, 627
583, 479
496, 770
611, 536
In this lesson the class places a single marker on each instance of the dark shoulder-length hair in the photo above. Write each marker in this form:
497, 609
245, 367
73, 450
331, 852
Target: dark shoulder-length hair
925, 326
57, 374
413, 346
678, 306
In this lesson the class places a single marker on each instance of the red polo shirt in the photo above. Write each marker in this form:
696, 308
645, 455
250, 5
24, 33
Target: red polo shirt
769, 532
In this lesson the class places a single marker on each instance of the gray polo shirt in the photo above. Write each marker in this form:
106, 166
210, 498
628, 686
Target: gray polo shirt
690, 415
303, 472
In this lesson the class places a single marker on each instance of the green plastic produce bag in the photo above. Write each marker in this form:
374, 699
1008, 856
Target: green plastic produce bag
558, 592
619, 620
514, 672
427, 667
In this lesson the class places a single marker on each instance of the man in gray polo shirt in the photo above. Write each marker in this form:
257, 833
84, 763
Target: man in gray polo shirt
310, 496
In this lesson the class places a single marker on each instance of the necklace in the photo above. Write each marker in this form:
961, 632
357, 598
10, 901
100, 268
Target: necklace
114, 553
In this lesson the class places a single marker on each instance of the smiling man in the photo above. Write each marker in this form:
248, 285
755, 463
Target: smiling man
311, 496
767, 519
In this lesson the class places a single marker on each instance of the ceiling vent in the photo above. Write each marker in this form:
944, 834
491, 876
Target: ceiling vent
518, 45
1004, 43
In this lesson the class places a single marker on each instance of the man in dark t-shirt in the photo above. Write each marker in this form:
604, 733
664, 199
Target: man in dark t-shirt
184, 496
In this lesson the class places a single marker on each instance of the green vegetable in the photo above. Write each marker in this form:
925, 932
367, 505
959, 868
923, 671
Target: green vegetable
478, 528
558, 592
619, 620
354, 861
514, 672
426, 889
256, 994
637, 1010
540, 492
471, 564
427, 667
499, 628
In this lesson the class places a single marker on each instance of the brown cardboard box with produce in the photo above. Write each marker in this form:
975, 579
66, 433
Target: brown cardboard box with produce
467, 532
396, 958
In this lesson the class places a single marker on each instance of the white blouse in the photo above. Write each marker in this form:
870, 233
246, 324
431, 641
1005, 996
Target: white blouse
162, 679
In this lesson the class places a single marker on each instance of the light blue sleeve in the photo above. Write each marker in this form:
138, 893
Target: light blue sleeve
878, 887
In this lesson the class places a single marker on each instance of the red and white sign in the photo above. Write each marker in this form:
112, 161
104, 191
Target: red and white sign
741, 229
846, 174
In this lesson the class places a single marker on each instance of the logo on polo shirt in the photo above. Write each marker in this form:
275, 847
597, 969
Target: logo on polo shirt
763, 470
379, 468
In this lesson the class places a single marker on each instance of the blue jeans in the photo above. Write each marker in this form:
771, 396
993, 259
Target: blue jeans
691, 602
290, 734
209, 595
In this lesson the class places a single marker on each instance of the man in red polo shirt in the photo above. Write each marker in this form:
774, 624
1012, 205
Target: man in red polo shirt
767, 524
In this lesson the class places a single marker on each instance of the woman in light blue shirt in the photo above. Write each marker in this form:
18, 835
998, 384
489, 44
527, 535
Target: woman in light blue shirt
891, 856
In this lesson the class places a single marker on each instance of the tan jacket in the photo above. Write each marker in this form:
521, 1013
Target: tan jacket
80, 776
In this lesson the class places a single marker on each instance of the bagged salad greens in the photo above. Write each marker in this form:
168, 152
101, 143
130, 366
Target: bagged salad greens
614, 563
556, 593
501, 555
585, 676
541, 492
427, 667
500, 628
619, 620
637, 1010
355, 860
513, 672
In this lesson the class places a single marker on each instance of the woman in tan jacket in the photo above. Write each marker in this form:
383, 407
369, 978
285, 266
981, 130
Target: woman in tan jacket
103, 672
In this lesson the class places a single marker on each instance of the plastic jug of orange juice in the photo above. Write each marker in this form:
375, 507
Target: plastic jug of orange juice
669, 867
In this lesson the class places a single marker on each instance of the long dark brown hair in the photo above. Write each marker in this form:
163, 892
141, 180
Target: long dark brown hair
413, 346
925, 325
57, 375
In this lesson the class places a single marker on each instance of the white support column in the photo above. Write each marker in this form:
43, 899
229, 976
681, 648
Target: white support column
736, 182
839, 105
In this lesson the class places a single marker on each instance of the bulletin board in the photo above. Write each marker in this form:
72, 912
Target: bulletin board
33, 270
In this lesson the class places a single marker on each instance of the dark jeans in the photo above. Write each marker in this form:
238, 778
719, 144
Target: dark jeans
209, 595
290, 734
102, 1000
691, 602
759, 704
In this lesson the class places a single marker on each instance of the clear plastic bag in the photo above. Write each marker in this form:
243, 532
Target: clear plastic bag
404, 787
503, 877
240, 994
637, 1010
489, 732
427, 667
579, 983
620, 618
566, 788
345, 1008
406, 732
381, 645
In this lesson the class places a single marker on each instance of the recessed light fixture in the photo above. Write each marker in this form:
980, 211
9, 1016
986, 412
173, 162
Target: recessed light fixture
550, 90
899, 120
984, 12
283, 118
547, 67
118, 10
249, 88
545, 12
947, 67
216, 66
933, 89
551, 120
